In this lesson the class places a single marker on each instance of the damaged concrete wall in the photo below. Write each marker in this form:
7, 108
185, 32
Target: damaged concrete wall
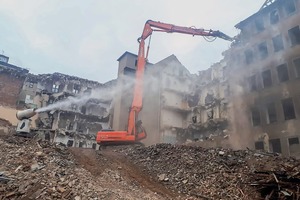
209, 116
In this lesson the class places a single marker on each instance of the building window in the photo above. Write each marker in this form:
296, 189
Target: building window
283, 74
194, 119
267, 78
289, 7
70, 143
263, 50
288, 109
297, 67
259, 23
55, 88
271, 113
80, 144
275, 145
249, 56
277, 43
255, 116
274, 17
259, 145
76, 89
293, 141
252, 83
294, 34
31, 85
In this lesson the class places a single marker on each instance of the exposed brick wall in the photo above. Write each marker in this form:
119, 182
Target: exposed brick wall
10, 87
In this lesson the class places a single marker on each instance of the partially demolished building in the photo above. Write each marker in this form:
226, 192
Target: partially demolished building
75, 122
263, 73
177, 106
165, 107
78, 112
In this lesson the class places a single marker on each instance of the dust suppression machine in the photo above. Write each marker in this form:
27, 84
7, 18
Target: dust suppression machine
23, 127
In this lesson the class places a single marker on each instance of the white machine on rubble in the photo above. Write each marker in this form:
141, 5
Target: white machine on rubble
23, 127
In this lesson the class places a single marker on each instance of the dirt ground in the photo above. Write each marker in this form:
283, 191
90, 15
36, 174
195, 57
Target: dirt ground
117, 174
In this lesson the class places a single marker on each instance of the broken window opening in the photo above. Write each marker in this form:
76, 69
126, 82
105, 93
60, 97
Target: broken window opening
283, 74
252, 83
271, 113
294, 34
76, 89
274, 17
293, 141
210, 114
297, 67
267, 78
288, 109
47, 136
249, 56
129, 72
289, 7
194, 119
255, 115
275, 145
277, 43
70, 143
80, 144
263, 50
259, 23
259, 145
209, 99
55, 88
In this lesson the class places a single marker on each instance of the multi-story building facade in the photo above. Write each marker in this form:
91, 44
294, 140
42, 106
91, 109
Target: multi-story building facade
86, 107
263, 72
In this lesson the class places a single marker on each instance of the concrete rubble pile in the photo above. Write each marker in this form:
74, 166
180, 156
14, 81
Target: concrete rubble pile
220, 173
39, 170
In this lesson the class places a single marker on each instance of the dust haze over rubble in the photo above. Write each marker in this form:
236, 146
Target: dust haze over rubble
102, 94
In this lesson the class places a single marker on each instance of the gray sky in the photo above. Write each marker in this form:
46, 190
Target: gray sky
84, 38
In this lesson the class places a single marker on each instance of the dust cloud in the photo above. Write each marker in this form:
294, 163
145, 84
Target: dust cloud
103, 95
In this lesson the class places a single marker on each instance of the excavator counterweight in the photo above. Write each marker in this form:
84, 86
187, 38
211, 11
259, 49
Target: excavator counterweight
135, 131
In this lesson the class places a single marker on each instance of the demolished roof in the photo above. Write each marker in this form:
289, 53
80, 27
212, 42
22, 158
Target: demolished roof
267, 6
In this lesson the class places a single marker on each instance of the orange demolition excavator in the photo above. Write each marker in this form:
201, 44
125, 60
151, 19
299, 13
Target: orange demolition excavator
135, 132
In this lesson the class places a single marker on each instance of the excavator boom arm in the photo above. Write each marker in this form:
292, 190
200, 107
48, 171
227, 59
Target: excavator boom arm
149, 27
135, 131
